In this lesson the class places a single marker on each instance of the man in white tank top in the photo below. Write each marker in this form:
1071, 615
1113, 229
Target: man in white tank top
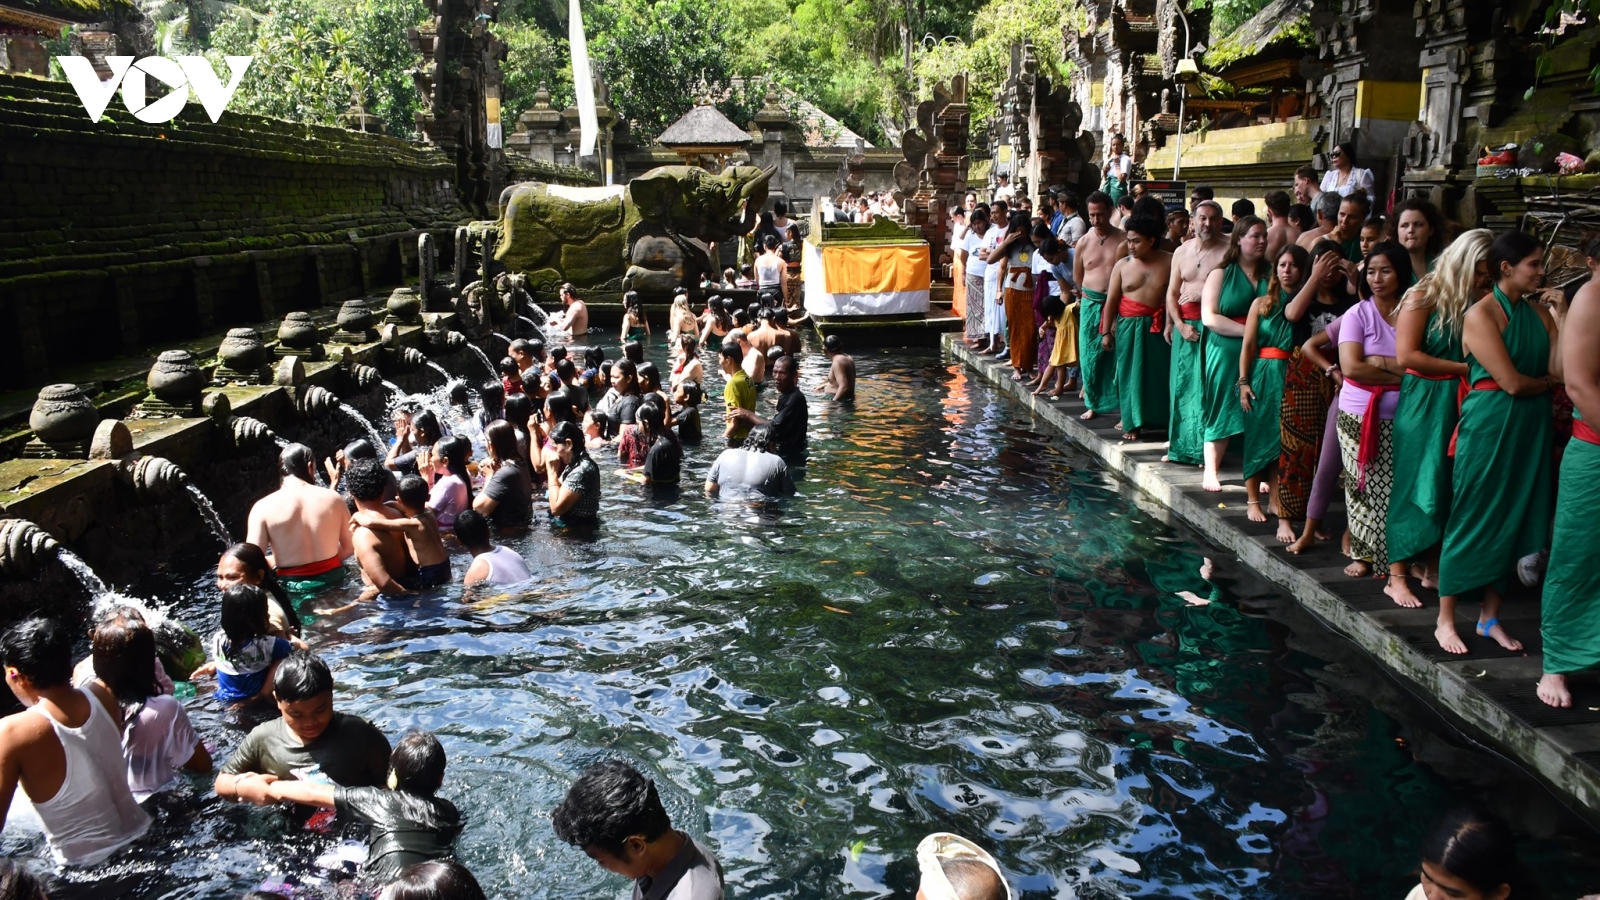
65, 750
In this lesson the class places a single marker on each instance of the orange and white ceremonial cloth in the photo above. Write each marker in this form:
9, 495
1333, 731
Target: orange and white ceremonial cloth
866, 281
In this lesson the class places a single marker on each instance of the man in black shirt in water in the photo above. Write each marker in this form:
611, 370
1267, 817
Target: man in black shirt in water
792, 416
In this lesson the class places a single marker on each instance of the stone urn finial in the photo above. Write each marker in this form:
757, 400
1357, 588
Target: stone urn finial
355, 324
241, 357
404, 306
175, 383
298, 335
63, 422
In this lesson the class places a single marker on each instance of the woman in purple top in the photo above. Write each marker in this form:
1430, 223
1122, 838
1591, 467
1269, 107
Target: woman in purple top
452, 485
1367, 403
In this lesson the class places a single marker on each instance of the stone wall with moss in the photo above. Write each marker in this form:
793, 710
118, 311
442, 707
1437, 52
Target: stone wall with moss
119, 234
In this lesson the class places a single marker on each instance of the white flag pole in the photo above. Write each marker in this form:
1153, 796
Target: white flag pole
582, 81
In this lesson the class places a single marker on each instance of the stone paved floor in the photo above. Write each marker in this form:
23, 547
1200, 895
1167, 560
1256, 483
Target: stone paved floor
1489, 688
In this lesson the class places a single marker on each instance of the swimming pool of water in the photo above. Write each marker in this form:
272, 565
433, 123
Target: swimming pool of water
960, 624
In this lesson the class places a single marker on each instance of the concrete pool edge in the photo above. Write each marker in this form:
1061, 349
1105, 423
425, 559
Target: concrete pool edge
1562, 755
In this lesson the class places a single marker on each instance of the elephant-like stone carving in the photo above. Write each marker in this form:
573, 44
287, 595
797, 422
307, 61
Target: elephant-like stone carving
649, 236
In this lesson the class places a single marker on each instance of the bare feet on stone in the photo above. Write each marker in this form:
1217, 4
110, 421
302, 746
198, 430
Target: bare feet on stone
1210, 482
1497, 633
1305, 542
1553, 690
1252, 509
1358, 568
1401, 594
1449, 640
1087, 415
1131, 434
1285, 531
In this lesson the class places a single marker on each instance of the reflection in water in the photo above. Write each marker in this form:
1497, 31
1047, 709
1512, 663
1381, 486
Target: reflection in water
958, 626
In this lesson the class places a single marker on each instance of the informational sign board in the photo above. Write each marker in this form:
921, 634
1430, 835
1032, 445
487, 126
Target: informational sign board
1173, 194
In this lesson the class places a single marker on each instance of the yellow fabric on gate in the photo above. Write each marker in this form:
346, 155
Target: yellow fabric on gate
875, 270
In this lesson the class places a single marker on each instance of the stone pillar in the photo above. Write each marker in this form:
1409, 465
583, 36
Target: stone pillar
535, 137
1371, 91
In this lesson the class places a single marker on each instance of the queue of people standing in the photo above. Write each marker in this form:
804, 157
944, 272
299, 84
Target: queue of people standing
1426, 378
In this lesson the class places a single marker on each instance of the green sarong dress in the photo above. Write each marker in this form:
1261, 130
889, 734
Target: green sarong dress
1419, 504
1187, 408
1099, 368
1224, 416
1570, 616
1143, 369
1263, 426
1501, 502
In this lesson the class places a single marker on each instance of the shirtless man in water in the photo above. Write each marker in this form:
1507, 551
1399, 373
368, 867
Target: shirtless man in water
1133, 327
382, 554
1190, 266
1097, 253
573, 323
304, 527
841, 383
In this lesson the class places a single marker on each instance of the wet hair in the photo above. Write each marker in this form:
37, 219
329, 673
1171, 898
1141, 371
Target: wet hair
601, 421
366, 479
649, 373
1510, 249
254, 560
626, 368
561, 407
833, 344
493, 397
566, 370
244, 616
471, 528
360, 448
652, 419
1327, 205
17, 883
1243, 207
520, 345
1146, 226
774, 353
1302, 216
690, 343
301, 676
972, 879
458, 394
609, 803
1479, 848
693, 394
436, 879
124, 652
413, 492
455, 449
570, 431
1397, 257
508, 368
630, 300
417, 762
593, 357
426, 424
519, 408
759, 439
40, 649
501, 439
730, 350
299, 461
1278, 203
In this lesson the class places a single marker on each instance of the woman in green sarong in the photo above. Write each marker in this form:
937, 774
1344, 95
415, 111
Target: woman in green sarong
1501, 502
1267, 347
1570, 618
1428, 345
1224, 309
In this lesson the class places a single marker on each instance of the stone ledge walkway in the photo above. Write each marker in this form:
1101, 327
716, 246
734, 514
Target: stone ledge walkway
1490, 688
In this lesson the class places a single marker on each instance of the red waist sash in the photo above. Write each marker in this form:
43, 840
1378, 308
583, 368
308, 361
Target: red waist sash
1240, 319
310, 569
1273, 353
1367, 448
1431, 377
1189, 310
1583, 431
1462, 389
1128, 308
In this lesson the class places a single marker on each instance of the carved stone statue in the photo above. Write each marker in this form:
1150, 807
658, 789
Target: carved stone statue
648, 237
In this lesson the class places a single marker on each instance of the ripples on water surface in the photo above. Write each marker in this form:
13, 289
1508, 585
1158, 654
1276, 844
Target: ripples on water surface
959, 626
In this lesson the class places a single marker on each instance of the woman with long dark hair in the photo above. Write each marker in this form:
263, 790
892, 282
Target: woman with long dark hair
574, 493
507, 497
1225, 303
438, 879
1016, 286
663, 460
452, 486
247, 564
1263, 364
1472, 855
716, 320
1502, 494
157, 737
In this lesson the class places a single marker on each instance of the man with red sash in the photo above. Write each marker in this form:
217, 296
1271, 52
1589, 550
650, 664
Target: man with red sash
1134, 323
304, 528
1191, 264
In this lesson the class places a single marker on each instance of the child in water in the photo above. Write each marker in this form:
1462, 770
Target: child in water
407, 823
244, 652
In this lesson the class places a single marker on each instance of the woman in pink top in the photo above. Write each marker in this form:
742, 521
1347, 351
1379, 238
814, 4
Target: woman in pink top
452, 483
1367, 403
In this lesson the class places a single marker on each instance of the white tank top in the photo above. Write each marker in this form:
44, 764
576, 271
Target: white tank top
505, 566
94, 814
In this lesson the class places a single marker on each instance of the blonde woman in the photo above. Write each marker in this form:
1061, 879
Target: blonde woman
681, 319
1428, 346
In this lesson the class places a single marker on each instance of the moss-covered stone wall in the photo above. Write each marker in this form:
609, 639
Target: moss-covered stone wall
119, 234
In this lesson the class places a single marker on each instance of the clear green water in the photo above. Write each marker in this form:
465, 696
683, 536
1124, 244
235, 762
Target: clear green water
1006, 656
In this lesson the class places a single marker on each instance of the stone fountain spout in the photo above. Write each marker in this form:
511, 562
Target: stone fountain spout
23, 545
243, 433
